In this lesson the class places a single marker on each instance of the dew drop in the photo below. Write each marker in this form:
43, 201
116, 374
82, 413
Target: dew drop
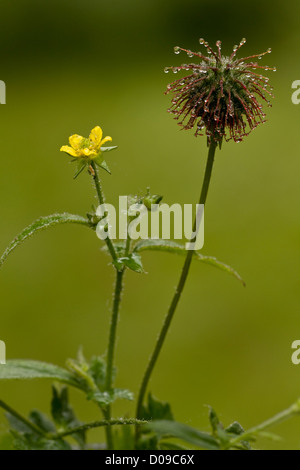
166, 70
269, 50
202, 41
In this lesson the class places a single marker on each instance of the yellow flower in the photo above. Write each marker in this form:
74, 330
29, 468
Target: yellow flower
81, 147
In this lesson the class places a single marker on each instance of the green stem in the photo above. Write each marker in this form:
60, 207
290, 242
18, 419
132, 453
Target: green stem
277, 419
21, 418
112, 336
179, 289
101, 199
111, 349
98, 424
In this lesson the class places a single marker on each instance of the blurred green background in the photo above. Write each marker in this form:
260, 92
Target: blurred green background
71, 65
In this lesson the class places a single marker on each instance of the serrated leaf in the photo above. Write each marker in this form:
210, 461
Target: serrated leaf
42, 421
235, 428
183, 432
106, 398
176, 248
19, 369
97, 370
42, 224
157, 410
133, 262
32, 442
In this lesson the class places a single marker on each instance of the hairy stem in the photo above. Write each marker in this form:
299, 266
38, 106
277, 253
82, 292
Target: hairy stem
179, 289
98, 424
21, 418
101, 199
111, 349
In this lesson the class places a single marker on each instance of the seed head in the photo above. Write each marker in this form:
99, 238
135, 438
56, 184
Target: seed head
220, 94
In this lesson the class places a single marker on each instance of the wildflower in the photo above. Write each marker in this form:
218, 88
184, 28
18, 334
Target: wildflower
85, 151
220, 94
86, 148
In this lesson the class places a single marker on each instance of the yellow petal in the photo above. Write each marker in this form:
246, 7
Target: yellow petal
88, 152
69, 150
96, 135
106, 139
75, 141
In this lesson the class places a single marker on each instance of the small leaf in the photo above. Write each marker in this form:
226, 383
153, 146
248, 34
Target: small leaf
133, 262
63, 414
26, 369
42, 224
183, 432
105, 167
42, 421
157, 410
102, 163
176, 248
97, 370
108, 149
106, 398
235, 428
214, 420
80, 167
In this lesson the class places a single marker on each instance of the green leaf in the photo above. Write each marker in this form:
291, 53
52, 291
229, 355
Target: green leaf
157, 410
106, 398
176, 248
104, 166
102, 163
133, 262
42, 224
18, 369
184, 433
80, 167
63, 414
33, 442
97, 370
108, 149
235, 429
214, 420
42, 421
